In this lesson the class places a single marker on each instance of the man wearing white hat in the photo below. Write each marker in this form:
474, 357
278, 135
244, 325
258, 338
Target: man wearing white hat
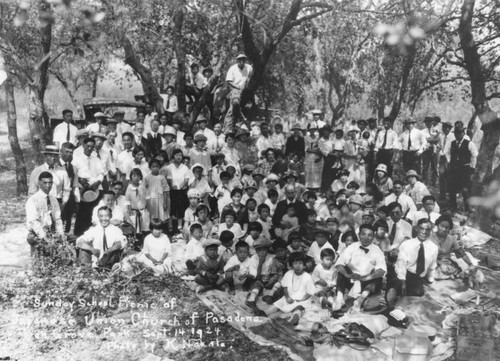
66, 131
237, 78
61, 188
100, 119
316, 123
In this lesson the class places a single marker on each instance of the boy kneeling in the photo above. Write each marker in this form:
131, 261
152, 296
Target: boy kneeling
239, 269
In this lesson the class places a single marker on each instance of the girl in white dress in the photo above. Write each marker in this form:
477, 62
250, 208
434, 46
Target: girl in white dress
156, 249
298, 287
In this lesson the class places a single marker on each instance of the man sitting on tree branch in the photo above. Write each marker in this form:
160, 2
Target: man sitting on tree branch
237, 78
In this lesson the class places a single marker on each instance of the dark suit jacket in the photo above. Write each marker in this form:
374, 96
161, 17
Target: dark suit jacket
280, 211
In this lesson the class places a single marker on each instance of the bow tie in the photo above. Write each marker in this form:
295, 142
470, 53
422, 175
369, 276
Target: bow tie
364, 249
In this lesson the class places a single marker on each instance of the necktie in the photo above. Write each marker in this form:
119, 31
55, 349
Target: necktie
364, 249
385, 140
137, 192
168, 103
70, 171
444, 142
409, 140
259, 268
429, 216
421, 260
397, 199
104, 240
98, 154
111, 153
49, 211
392, 236
68, 134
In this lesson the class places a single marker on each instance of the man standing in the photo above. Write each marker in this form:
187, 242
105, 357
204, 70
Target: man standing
154, 139
386, 142
361, 261
416, 264
429, 157
215, 144
91, 174
463, 157
102, 244
61, 188
149, 116
66, 131
74, 197
237, 77
104, 157
43, 215
413, 144
316, 123
125, 158
139, 139
446, 138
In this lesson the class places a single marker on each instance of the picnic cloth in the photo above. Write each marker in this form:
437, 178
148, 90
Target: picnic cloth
438, 309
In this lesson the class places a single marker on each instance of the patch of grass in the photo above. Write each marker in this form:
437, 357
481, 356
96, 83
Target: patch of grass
49, 281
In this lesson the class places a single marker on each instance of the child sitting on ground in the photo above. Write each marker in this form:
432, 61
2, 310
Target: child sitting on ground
254, 230
189, 214
381, 238
279, 267
320, 243
272, 200
156, 249
325, 278
265, 277
295, 243
223, 191
239, 269
226, 250
289, 223
229, 218
298, 287
332, 224
265, 220
201, 215
194, 248
210, 267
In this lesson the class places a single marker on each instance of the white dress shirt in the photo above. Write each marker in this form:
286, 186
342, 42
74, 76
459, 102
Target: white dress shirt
171, 101
61, 131
247, 267
62, 184
407, 204
446, 140
418, 140
237, 76
74, 187
89, 167
123, 161
392, 140
360, 262
94, 236
433, 216
39, 218
407, 258
264, 143
215, 144
104, 156
403, 232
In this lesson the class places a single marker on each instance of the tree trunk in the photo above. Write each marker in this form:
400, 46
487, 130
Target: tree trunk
403, 82
180, 55
145, 76
21, 177
95, 79
489, 119
206, 96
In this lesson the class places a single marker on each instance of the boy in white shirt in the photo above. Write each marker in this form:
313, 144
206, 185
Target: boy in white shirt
239, 269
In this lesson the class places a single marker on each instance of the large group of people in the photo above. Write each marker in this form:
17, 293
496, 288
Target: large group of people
299, 208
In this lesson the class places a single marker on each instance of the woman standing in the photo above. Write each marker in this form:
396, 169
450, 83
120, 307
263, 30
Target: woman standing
325, 146
313, 163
